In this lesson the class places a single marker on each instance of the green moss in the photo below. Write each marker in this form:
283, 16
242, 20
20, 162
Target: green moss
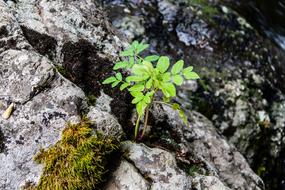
91, 100
77, 161
206, 9
62, 70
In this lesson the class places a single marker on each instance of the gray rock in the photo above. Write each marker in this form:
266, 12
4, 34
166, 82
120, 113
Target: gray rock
24, 74
126, 177
202, 139
157, 165
105, 122
131, 26
44, 100
208, 183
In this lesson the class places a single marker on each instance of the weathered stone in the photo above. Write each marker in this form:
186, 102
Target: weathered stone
202, 140
126, 177
157, 165
208, 183
105, 122
23, 75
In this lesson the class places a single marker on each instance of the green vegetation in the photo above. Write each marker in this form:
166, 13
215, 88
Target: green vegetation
206, 8
62, 70
91, 99
77, 161
147, 80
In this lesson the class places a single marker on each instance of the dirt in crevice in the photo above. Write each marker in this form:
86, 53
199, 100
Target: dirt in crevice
87, 69
2, 144
44, 44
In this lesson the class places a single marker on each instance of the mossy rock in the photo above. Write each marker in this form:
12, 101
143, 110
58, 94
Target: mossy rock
77, 161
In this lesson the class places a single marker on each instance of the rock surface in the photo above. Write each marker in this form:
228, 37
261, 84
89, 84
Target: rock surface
39, 38
242, 86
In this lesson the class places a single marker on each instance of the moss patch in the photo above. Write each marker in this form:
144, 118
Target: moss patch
77, 161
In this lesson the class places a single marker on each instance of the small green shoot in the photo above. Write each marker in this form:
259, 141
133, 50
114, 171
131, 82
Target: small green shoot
150, 75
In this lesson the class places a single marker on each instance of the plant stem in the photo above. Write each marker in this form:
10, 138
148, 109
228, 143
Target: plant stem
160, 102
145, 120
137, 126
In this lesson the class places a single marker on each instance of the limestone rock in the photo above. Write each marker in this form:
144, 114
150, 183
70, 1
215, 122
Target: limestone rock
202, 139
157, 165
208, 183
126, 177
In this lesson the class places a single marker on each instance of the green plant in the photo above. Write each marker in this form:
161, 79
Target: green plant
77, 161
146, 80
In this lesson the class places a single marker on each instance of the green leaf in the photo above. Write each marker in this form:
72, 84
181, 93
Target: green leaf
177, 67
136, 93
126, 53
177, 79
137, 99
148, 96
109, 80
120, 65
151, 93
148, 66
115, 83
124, 85
131, 62
147, 99
163, 64
140, 70
135, 44
141, 47
141, 107
176, 106
149, 84
135, 78
137, 87
183, 117
151, 58
166, 77
191, 75
187, 70
170, 89
119, 76
166, 99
